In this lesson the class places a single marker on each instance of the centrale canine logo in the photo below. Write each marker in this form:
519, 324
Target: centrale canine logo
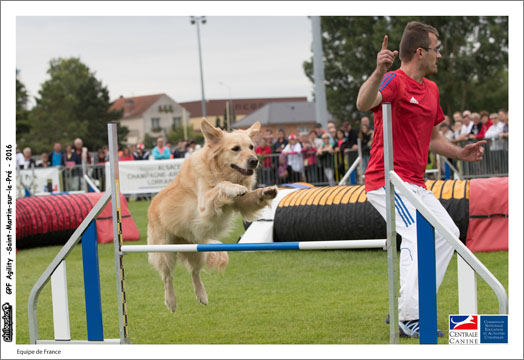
463, 322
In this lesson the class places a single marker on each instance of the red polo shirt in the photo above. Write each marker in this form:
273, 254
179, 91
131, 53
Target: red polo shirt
415, 110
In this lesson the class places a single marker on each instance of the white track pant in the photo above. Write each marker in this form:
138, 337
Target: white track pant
405, 218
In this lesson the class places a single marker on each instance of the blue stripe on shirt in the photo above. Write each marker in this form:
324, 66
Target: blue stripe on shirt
387, 82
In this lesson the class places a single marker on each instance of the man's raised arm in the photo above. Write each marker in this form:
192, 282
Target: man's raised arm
368, 95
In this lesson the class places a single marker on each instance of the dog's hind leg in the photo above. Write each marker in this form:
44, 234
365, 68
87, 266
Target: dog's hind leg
165, 264
195, 262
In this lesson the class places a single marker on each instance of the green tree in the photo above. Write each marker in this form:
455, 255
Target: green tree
472, 72
71, 104
22, 114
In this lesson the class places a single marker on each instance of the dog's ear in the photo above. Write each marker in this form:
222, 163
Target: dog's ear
211, 133
254, 129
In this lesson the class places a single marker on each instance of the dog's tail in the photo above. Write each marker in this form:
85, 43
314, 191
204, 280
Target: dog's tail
217, 260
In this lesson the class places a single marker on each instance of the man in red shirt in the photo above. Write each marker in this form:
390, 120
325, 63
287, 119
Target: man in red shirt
416, 113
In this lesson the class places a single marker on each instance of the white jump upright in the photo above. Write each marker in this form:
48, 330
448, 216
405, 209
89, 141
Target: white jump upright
468, 263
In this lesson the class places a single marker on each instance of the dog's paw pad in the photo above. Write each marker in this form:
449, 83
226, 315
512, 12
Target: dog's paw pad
270, 193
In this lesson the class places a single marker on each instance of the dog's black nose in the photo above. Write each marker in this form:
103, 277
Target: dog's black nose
252, 162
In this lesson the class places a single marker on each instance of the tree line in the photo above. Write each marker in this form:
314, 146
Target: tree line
473, 71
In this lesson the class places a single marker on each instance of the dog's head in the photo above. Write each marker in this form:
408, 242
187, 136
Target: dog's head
232, 152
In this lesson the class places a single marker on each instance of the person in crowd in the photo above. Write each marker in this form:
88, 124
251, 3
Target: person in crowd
325, 158
127, 155
160, 151
504, 118
476, 127
445, 130
281, 142
263, 151
503, 115
140, 153
447, 121
341, 148
191, 147
457, 130
19, 158
27, 162
79, 145
72, 163
270, 139
351, 135
467, 125
457, 116
283, 169
56, 156
318, 131
180, 149
366, 139
332, 132
293, 151
101, 157
44, 160
315, 140
309, 150
365, 121
485, 124
99, 170
170, 147
416, 135
106, 151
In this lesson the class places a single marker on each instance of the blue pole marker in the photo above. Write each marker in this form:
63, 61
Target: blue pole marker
95, 331
427, 281
248, 246
447, 172
352, 178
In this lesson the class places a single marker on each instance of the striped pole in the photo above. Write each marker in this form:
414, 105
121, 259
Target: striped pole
117, 232
304, 245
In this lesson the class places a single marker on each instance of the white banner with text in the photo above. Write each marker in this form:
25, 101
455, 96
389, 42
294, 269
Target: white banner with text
141, 177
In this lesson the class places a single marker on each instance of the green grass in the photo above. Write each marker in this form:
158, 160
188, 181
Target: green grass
288, 297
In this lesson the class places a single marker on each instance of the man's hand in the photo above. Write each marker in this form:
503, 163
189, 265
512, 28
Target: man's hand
473, 152
385, 57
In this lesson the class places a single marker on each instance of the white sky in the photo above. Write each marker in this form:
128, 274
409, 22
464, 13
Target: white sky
253, 56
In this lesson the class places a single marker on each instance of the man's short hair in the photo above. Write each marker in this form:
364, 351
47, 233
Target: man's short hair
415, 35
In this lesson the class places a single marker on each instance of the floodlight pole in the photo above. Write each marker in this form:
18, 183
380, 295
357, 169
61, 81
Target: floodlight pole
196, 20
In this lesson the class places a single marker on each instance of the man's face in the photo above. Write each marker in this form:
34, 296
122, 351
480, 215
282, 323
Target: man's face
365, 121
57, 147
160, 142
78, 144
502, 116
431, 55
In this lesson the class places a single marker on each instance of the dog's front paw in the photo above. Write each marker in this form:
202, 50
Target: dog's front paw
269, 193
235, 190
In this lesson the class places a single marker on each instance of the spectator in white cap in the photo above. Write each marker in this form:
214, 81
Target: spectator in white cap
140, 153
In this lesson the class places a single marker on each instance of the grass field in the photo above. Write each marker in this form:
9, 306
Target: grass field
289, 297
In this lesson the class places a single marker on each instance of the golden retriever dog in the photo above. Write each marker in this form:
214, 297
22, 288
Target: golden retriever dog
197, 207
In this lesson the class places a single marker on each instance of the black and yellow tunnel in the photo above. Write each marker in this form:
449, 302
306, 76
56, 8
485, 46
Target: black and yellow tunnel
343, 212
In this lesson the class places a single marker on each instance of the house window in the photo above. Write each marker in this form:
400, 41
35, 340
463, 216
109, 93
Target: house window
155, 124
177, 122
303, 130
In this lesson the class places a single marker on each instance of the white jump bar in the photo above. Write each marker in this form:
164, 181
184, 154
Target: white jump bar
303, 245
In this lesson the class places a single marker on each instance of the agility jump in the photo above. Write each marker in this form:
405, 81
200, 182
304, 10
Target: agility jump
426, 224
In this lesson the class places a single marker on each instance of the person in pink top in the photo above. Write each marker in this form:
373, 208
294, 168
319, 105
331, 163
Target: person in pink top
416, 113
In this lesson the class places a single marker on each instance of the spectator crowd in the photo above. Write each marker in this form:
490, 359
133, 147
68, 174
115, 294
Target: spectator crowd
320, 156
